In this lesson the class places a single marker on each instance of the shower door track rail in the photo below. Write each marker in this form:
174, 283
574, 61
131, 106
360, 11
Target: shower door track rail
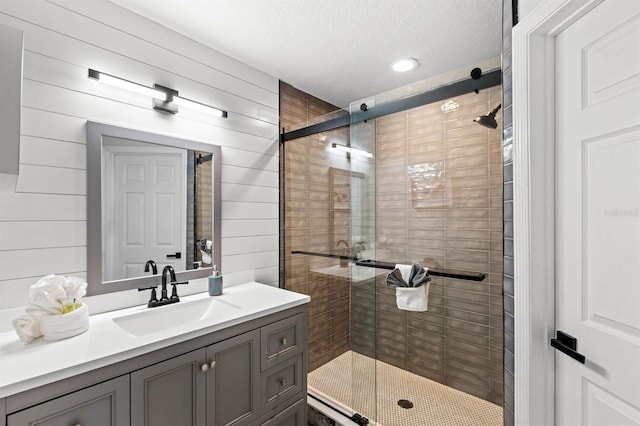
437, 272
489, 79
356, 418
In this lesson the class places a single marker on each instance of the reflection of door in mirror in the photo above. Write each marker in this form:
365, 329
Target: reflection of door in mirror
145, 191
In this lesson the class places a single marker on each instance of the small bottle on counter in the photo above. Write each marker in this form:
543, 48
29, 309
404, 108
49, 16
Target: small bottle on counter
215, 282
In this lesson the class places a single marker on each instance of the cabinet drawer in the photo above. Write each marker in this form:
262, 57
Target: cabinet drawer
282, 382
295, 415
105, 404
281, 340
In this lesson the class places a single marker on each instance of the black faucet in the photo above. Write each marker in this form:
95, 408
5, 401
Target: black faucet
164, 298
153, 302
172, 274
154, 268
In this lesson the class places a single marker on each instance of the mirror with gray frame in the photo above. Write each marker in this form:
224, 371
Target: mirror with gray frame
149, 197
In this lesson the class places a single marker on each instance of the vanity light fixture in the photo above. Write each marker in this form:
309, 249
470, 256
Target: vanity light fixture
164, 98
127, 85
352, 151
188, 103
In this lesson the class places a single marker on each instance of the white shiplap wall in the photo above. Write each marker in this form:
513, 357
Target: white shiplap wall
43, 217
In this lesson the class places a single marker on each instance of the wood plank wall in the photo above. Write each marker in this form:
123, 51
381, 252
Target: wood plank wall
43, 217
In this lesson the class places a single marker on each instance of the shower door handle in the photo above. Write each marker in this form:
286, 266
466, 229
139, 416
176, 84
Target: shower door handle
567, 345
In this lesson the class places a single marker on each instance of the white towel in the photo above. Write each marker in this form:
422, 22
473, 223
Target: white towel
48, 295
412, 298
47, 298
58, 327
27, 327
405, 270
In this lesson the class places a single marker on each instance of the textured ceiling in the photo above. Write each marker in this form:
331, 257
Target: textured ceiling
338, 50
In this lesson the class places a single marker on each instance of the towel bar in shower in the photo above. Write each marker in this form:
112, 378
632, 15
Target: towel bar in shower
436, 272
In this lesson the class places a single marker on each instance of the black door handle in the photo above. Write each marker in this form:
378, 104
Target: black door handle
567, 344
178, 255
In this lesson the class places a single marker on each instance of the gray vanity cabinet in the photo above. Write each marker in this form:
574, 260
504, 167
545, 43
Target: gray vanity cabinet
222, 383
233, 380
219, 383
104, 404
249, 374
171, 392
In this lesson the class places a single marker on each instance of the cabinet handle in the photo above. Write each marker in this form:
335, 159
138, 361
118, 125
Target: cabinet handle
205, 367
213, 364
283, 382
284, 340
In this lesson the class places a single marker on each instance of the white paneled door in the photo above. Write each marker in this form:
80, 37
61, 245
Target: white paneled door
598, 216
148, 219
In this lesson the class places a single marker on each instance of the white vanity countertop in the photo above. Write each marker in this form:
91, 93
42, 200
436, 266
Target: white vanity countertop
26, 366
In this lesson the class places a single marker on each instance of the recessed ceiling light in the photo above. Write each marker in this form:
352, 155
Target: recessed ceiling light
404, 65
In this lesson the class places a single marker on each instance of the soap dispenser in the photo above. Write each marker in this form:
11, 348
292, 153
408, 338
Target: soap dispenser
215, 282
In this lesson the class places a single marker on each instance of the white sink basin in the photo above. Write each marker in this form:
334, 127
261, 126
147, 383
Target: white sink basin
178, 314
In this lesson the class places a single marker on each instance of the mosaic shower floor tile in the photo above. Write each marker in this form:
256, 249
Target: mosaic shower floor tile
383, 393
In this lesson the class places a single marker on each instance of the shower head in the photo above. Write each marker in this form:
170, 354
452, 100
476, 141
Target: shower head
489, 120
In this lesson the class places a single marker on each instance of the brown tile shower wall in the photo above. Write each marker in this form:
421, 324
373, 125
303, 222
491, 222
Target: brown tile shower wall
305, 207
204, 190
439, 202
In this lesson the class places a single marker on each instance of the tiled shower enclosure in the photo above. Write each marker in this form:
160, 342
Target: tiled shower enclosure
436, 183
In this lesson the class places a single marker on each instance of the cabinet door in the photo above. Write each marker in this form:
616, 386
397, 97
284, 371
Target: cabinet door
234, 381
295, 415
105, 404
171, 392
3, 413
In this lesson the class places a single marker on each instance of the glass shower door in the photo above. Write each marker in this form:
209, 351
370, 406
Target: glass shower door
363, 295
328, 228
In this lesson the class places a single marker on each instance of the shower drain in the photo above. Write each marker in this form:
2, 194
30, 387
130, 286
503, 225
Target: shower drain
405, 403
